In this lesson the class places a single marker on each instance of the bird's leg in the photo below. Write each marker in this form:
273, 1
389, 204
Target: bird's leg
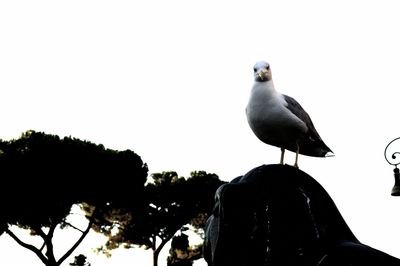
282, 154
297, 155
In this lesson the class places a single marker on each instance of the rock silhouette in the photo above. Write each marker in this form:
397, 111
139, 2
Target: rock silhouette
277, 215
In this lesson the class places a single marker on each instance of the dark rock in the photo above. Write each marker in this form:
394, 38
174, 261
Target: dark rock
277, 215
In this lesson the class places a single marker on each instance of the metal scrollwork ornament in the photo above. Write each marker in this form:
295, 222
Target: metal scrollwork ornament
394, 159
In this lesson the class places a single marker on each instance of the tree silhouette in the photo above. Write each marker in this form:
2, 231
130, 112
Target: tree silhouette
80, 260
181, 253
48, 175
171, 202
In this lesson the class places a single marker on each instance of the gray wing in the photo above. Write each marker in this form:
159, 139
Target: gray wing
312, 144
298, 111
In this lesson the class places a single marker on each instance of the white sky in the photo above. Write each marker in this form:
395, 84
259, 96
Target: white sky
170, 80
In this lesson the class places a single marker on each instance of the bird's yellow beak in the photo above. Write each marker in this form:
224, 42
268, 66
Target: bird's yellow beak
263, 74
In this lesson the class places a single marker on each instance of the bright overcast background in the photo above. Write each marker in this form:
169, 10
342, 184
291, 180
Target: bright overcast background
170, 80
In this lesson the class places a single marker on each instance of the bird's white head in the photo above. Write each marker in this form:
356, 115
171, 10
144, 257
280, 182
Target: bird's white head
262, 72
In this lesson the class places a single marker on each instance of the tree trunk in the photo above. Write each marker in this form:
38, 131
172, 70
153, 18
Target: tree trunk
155, 253
157, 250
49, 259
155, 257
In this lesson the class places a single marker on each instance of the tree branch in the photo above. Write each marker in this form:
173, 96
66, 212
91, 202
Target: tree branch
42, 247
76, 228
40, 232
84, 233
162, 244
50, 234
27, 246
47, 241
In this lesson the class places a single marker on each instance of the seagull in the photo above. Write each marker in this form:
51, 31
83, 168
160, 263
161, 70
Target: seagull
279, 120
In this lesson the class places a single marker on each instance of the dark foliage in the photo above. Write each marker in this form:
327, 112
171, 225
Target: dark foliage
45, 175
181, 253
80, 260
171, 202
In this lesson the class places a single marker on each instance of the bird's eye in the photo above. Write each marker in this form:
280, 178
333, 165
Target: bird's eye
267, 67
255, 69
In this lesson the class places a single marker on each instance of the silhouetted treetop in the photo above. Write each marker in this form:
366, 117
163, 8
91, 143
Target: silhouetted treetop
181, 253
80, 168
47, 174
80, 260
170, 203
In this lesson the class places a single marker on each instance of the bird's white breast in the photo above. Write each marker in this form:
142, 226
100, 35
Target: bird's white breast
268, 116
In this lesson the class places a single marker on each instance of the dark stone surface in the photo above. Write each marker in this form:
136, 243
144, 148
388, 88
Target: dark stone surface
279, 215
